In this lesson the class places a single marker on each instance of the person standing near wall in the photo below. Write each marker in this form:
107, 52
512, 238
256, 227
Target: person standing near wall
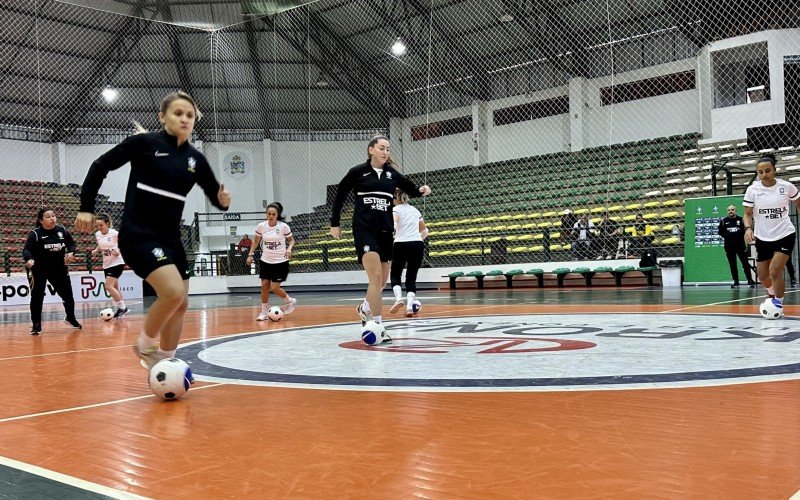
48, 250
731, 228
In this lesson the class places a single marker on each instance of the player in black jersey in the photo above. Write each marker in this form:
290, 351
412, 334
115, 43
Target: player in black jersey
373, 183
164, 168
48, 250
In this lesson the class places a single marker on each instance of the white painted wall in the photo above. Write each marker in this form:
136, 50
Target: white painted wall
22, 160
439, 152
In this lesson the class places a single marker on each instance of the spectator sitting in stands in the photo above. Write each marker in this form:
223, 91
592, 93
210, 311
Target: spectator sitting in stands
584, 230
568, 220
641, 235
609, 234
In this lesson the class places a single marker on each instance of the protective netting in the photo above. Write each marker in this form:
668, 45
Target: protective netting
514, 112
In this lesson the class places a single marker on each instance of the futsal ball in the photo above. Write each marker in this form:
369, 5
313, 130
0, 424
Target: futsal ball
372, 333
107, 314
771, 309
275, 313
416, 306
170, 378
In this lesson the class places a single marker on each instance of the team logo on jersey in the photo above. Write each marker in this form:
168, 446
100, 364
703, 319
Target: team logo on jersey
60, 235
782, 191
192, 164
159, 254
366, 248
388, 175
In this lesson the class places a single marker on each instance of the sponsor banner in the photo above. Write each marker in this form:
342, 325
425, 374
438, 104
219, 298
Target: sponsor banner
14, 290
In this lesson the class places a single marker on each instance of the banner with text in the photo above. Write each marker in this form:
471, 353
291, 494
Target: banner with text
85, 288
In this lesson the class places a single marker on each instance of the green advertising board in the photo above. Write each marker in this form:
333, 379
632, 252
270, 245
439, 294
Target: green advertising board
704, 255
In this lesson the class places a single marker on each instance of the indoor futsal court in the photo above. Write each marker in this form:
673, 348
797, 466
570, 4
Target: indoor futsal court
396, 249
697, 400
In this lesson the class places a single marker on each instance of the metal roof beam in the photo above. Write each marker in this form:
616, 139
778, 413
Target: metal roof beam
261, 85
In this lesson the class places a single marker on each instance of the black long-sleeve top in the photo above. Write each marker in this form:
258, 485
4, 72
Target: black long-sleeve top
732, 231
162, 174
373, 196
47, 247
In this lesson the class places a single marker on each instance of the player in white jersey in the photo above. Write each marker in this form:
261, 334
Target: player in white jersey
766, 220
409, 231
113, 264
276, 241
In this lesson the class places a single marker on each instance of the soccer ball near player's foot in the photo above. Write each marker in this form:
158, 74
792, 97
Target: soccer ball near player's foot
107, 314
170, 378
275, 313
771, 308
373, 333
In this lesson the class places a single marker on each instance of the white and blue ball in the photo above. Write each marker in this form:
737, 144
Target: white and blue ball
170, 378
372, 333
771, 309
416, 305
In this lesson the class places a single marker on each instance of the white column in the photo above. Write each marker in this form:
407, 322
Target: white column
59, 162
577, 108
480, 133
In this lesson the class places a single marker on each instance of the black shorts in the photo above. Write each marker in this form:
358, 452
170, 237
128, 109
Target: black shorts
114, 271
374, 241
274, 272
766, 249
144, 257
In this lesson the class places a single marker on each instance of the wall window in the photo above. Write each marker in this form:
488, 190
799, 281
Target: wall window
735, 70
442, 128
651, 87
531, 111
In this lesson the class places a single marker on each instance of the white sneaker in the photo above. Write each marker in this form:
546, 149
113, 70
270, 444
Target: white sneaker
364, 317
289, 306
409, 312
397, 305
262, 316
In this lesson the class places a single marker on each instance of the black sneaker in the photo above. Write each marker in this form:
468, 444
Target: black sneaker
751, 284
735, 284
793, 284
121, 312
73, 323
36, 329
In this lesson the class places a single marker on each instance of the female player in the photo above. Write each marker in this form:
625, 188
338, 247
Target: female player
766, 219
373, 183
409, 231
48, 250
275, 238
113, 263
164, 168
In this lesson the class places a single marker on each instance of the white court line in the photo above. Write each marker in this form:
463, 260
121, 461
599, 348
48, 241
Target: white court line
418, 297
86, 407
796, 496
62, 352
69, 480
723, 302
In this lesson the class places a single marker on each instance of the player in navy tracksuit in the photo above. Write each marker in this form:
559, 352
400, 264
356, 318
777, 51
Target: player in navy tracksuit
48, 250
373, 183
164, 168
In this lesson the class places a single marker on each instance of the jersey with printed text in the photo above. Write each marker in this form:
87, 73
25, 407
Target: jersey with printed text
273, 241
108, 247
771, 209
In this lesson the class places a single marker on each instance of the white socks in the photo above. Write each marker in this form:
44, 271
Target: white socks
410, 296
146, 342
264, 307
398, 293
120, 304
167, 354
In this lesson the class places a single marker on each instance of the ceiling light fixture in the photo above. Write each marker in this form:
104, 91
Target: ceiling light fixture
506, 18
110, 94
399, 47
321, 81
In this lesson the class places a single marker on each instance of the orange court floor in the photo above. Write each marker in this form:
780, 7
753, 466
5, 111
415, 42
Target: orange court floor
495, 394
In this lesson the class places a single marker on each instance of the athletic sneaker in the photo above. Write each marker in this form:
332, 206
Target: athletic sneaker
73, 323
149, 356
364, 317
409, 312
289, 306
36, 329
397, 305
262, 316
121, 312
386, 339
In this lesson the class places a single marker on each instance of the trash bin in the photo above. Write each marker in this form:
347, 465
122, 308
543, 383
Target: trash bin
671, 274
